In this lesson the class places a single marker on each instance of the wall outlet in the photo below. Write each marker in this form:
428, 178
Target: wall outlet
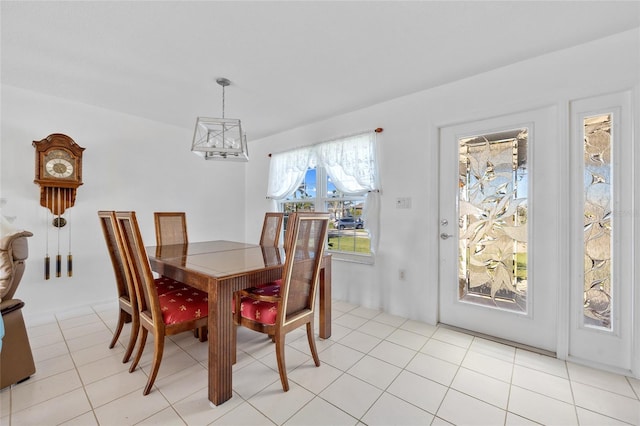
402, 274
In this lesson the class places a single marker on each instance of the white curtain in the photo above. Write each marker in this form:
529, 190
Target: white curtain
352, 164
287, 170
371, 216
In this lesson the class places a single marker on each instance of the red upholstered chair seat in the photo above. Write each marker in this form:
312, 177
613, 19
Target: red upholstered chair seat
165, 285
183, 304
258, 310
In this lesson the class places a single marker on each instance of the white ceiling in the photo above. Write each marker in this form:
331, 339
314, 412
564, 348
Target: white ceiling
290, 63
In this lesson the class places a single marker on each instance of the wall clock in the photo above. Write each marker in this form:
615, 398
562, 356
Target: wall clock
59, 174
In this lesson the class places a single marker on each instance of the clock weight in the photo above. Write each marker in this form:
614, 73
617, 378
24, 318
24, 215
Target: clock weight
59, 222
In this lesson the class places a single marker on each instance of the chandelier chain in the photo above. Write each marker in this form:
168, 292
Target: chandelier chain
223, 101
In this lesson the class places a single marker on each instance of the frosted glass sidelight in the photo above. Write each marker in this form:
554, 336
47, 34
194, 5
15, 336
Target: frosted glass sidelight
492, 201
597, 220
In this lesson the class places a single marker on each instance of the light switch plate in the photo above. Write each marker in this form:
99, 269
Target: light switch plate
403, 203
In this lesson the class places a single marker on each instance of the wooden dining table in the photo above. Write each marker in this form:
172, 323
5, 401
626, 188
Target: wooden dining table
221, 268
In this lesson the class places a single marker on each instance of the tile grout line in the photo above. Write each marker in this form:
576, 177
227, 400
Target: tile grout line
469, 349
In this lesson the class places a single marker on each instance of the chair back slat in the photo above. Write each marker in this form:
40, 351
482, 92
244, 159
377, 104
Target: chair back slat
139, 267
171, 228
302, 264
271, 229
114, 245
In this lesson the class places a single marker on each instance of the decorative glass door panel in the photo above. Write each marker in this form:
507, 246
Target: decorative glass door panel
493, 219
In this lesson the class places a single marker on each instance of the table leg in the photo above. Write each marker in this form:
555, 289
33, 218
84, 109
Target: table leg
220, 335
325, 300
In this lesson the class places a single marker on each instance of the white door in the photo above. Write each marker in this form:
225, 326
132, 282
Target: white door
500, 186
602, 241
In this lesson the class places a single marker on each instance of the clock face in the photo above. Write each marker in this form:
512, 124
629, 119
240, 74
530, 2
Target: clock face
59, 168
59, 164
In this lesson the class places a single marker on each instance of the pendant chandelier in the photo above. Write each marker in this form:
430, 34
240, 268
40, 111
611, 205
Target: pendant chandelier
220, 138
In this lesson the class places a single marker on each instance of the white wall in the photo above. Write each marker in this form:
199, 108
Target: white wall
162, 174
409, 159
129, 164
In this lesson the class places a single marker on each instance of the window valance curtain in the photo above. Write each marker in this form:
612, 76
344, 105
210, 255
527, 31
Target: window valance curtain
350, 162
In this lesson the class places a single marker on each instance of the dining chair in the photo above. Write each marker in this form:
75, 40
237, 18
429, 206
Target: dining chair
163, 315
288, 240
127, 301
270, 236
171, 228
271, 228
279, 309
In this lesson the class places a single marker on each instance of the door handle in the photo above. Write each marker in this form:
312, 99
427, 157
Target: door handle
445, 236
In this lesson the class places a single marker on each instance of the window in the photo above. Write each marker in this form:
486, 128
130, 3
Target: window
347, 229
339, 177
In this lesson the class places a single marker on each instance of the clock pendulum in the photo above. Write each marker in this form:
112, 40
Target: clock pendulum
69, 257
59, 225
47, 259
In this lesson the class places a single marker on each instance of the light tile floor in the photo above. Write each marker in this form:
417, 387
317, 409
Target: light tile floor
377, 369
